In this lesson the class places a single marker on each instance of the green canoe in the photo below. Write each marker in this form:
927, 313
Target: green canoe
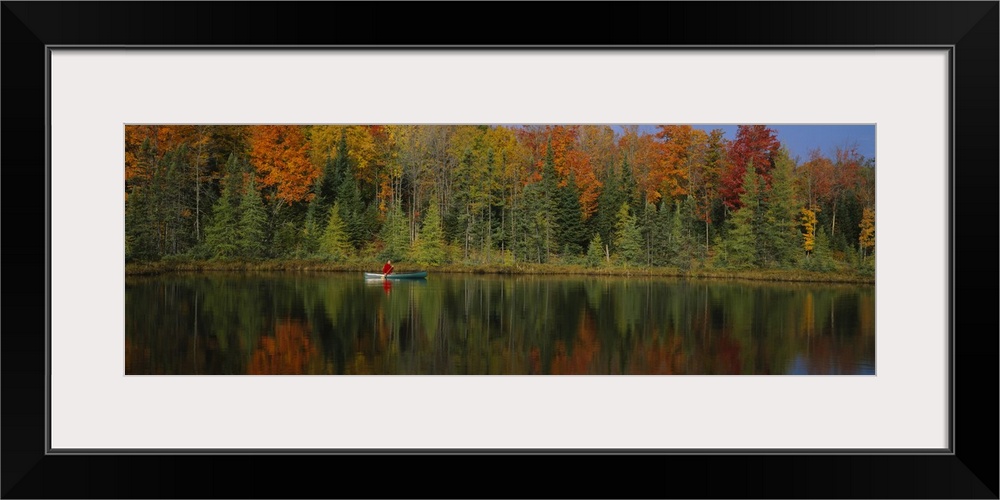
397, 276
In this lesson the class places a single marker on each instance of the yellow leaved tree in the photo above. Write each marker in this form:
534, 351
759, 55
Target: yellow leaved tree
867, 238
808, 219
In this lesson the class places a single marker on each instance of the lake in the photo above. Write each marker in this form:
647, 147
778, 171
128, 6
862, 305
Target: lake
326, 323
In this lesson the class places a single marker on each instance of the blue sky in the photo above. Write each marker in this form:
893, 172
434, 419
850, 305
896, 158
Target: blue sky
801, 139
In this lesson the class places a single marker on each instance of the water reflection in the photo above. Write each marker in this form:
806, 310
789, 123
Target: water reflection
323, 323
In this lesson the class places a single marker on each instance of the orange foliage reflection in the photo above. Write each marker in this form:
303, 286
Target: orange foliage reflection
581, 360
657, 357
287, 353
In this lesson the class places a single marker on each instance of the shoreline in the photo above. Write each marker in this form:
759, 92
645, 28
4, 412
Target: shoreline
772, 275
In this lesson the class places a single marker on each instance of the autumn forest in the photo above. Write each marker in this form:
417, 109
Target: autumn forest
502, 197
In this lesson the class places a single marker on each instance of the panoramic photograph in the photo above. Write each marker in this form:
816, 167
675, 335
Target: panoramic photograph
499, 249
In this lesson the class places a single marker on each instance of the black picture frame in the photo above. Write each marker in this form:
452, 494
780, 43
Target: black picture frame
969, 28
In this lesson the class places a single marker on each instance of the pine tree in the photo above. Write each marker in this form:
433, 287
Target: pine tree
252, 224
681, 240
178, 225
530, 225
780, 230
595, 251
352, 210
329, 181
608, 203
334, 242
550, 201
742, 246
630, 187
139, 234
650, 233
429, 245
569, 218
661, 224
221, 234
822, 255
395, 235
628, 239
312, 230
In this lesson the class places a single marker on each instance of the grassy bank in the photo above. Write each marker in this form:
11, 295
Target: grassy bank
789, 275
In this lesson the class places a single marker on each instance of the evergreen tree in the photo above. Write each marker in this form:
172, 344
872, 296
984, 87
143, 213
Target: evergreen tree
650, 232
429, 245
550, 201
630, 188
781, 234
288, 240
395, 235
334, 242
822, 254
595, 251
252, 224
742, 244
569, 218
312, 230
329, 181
628, 239
532, 225
325, 194
157, 200
608, 203
370, 226
221, 233
178, 228
139, 234
660, 223
708, 207
681, 238
352, 210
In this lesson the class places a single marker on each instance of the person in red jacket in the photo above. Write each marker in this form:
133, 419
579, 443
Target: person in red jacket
386, 269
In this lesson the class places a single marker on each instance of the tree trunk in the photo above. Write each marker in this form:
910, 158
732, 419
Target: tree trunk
489, 234
706, 237
197, 195
833, 226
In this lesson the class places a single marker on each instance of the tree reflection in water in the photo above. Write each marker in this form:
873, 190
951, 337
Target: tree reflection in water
331, 323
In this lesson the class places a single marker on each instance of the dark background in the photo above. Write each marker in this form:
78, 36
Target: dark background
971, 472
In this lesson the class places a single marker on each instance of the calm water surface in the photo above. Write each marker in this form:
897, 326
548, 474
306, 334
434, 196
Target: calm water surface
340, 324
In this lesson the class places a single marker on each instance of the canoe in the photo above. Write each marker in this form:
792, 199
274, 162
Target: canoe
398, 276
